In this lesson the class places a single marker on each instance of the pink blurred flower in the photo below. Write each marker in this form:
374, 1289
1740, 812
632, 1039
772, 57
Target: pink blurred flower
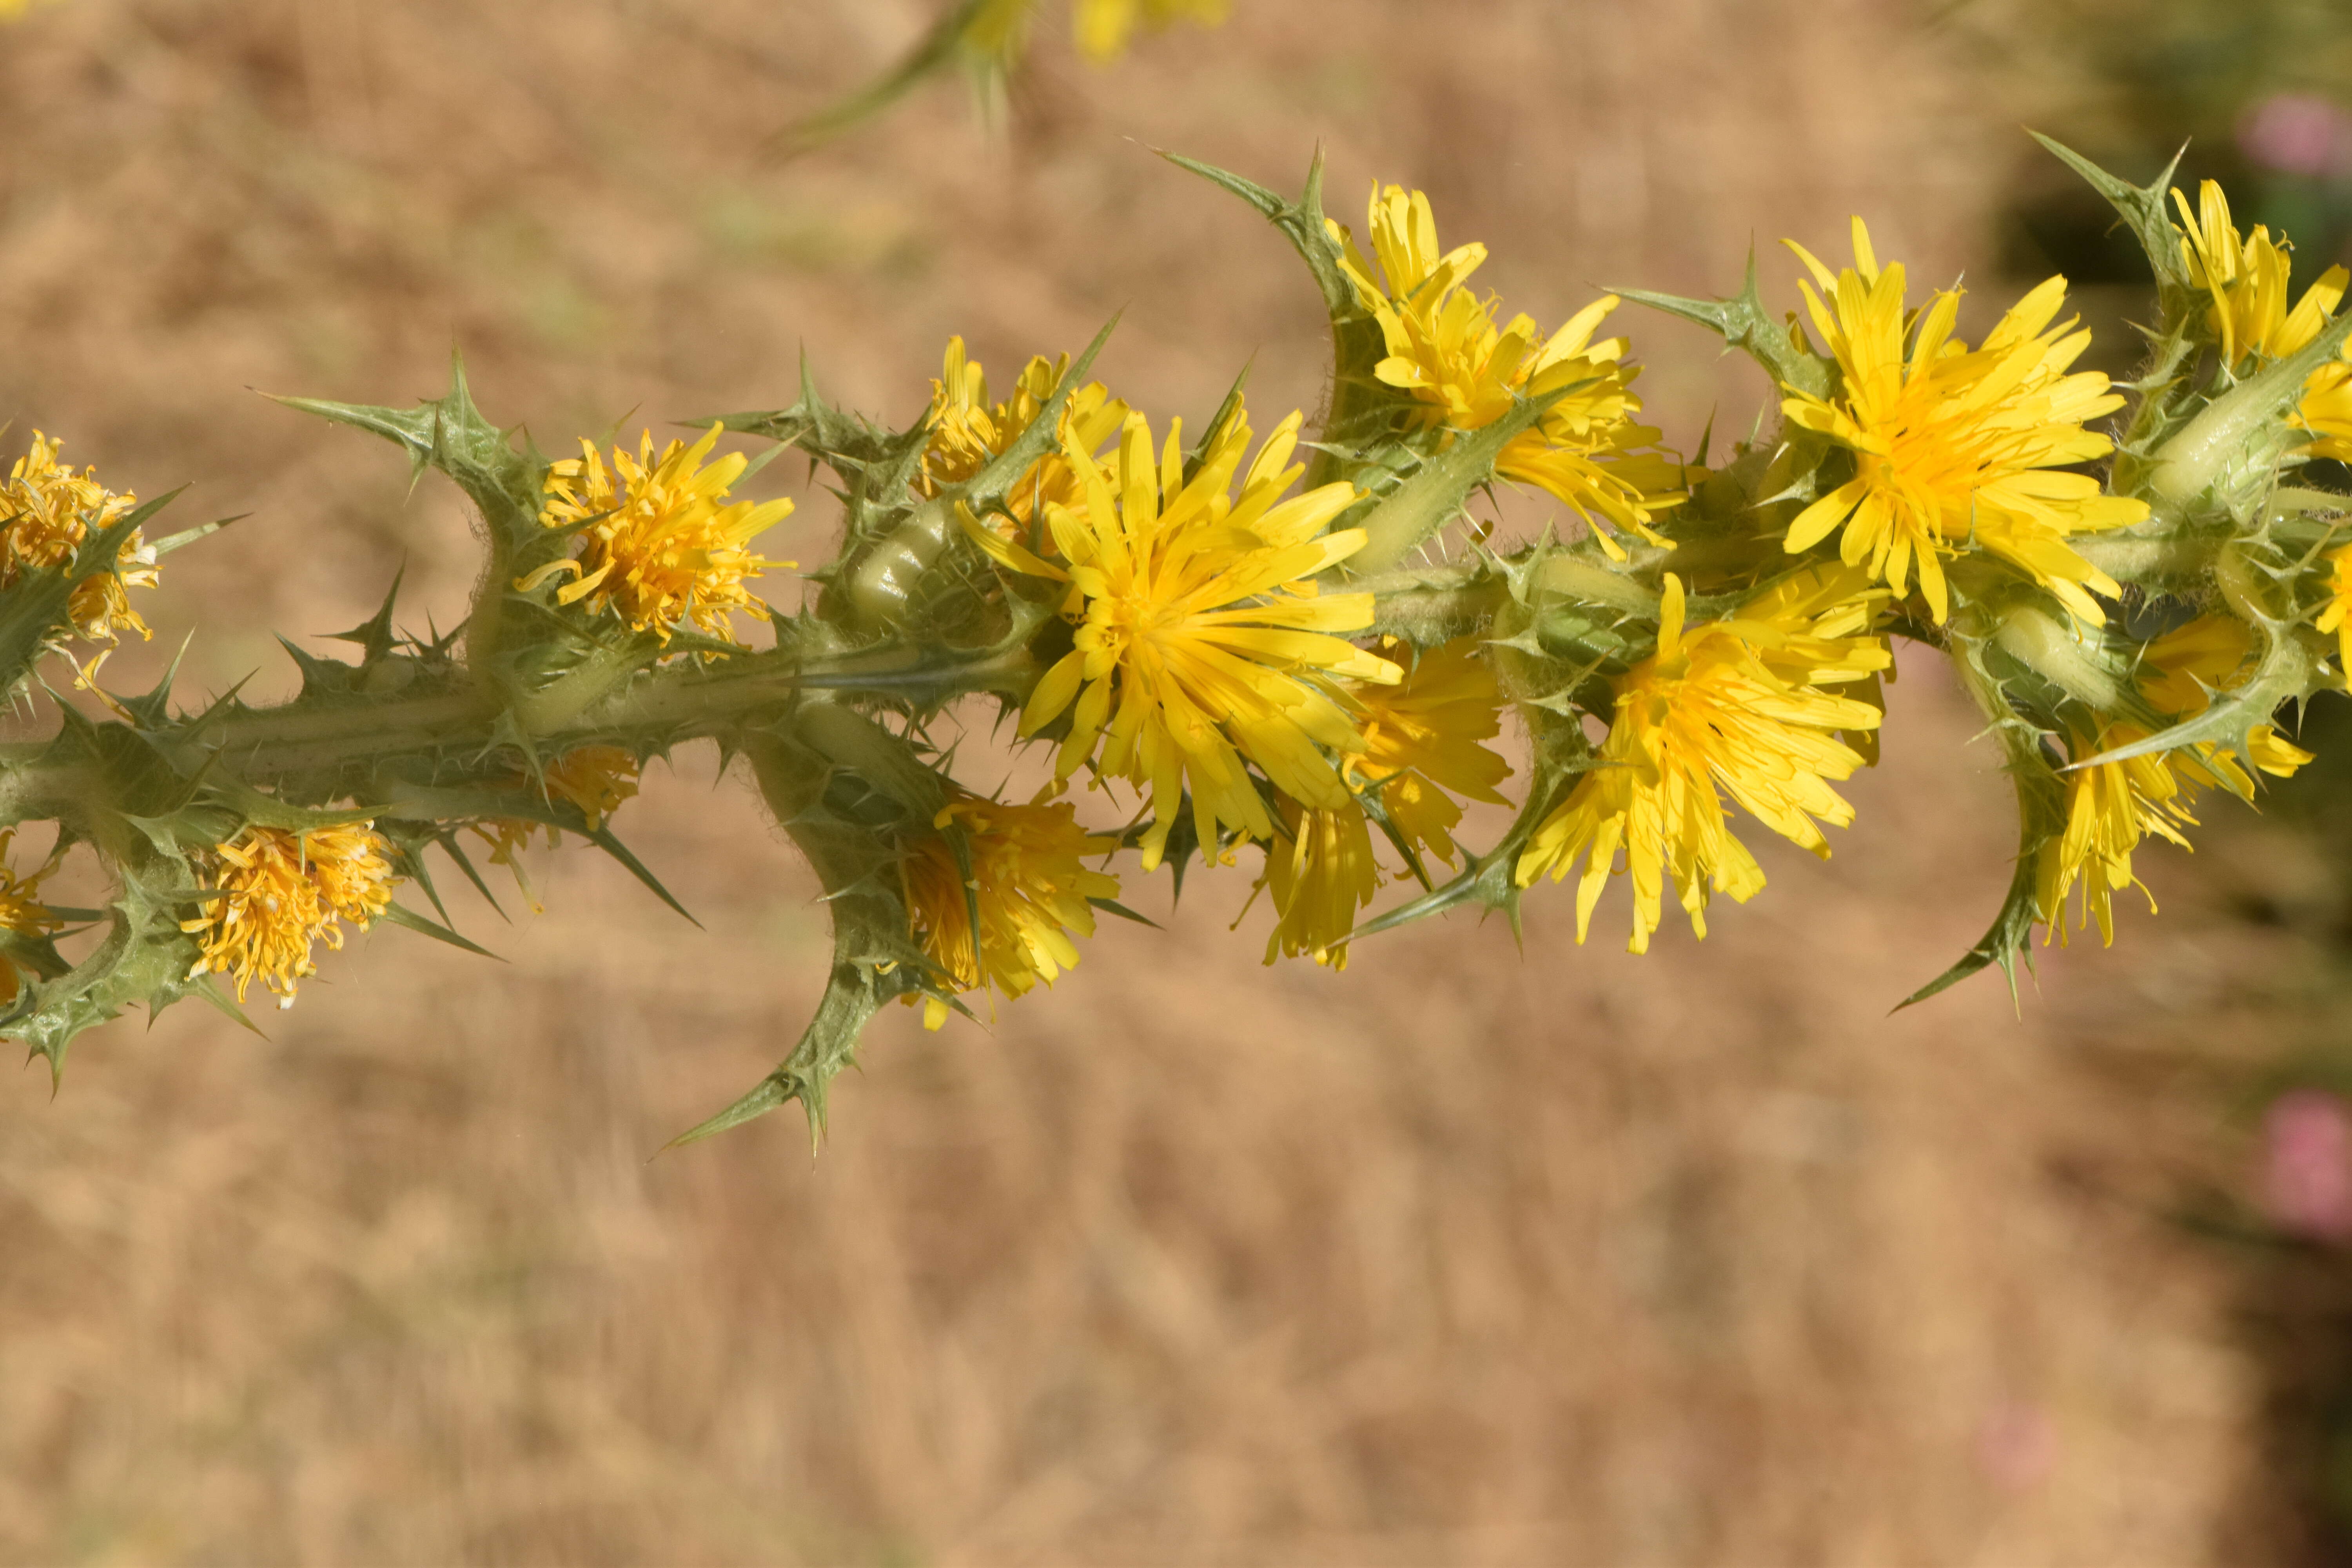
2298, 133
2307, 1165
2016, 1445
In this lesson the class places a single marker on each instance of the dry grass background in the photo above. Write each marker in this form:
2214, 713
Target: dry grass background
1469, 1256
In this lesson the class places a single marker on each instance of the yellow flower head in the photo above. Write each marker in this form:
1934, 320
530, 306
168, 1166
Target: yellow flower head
1419, 738
1422, 738
1321, 870
1202, 643
2247, 279
1464, 372
21, 912
662, 548
1029, 883
1104, 27
1955, 449
281, 893
2111, 805
968, 432
1735, 704
46, 512
596, 779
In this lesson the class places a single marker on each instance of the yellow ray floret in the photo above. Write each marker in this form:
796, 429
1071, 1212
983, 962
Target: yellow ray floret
2336, 615
1104, 28
1202, 643
2110, 806
1421, 738
21, 912
596, 779
1955, 449
2246, 277
1733, 706
1321, 870
968, 431
2325, 410
1463, 373
1423, 741
47, 510
1029, 884
281, 893
662, 548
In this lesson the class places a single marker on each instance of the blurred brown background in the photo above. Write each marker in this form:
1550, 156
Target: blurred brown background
1471, 1255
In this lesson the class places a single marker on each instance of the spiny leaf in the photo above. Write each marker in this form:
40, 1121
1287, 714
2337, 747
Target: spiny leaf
852, 997
932, 53
153, 709
447, 840
187, 536
450, 434
604, 839
845, 443
2142, 208
1301, 222
2289, 669
1562, 753
1363, 411
204, 991
374, 634
874, 959
1227, 411
2041, 818
408, 918
321, 676
1746, 325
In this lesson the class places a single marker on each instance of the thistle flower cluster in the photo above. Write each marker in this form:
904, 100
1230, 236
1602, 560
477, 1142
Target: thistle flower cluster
1294, 658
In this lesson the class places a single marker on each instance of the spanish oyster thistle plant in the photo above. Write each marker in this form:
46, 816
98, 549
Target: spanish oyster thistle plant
1277, 652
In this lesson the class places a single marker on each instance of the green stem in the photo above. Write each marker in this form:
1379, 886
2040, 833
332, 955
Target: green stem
660, 706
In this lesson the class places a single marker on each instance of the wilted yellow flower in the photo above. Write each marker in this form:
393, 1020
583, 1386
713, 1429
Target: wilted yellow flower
45, 513
1444, 349
1956, 449
2247, 279
1422, 739
1104, 27
596, 779
968, 432
1735, 704
2111, 805
661, 549
1029, 883
21, 912
1321, 870
281, 893
1201, 641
